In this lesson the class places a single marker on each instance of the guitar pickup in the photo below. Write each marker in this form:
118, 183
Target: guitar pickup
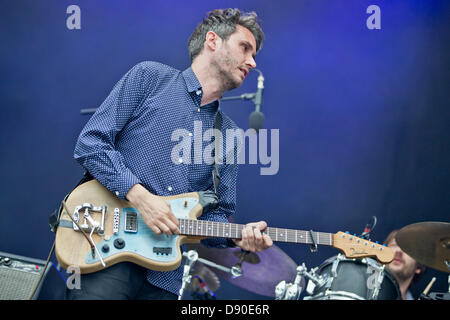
131, 222
161, 250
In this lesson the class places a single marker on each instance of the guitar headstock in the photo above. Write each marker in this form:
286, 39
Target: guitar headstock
354, 247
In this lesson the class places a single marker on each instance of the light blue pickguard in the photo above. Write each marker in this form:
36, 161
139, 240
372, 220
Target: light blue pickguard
145, 240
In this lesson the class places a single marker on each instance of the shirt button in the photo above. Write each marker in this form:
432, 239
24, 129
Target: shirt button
180, 160
198, 110
199, 92
169, 188
117, 193
190, 134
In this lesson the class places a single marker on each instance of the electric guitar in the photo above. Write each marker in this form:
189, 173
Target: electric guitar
103, 230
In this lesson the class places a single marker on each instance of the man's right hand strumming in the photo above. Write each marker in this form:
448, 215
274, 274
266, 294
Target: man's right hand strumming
156, 212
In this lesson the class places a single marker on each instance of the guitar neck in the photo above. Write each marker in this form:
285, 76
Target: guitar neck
203, 228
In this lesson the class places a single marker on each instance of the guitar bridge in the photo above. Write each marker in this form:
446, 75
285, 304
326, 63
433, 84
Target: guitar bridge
89, 223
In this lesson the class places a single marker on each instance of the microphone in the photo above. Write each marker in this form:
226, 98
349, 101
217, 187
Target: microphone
257, 117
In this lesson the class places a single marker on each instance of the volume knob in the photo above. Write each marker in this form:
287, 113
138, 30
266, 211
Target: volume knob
119, 243
105, 248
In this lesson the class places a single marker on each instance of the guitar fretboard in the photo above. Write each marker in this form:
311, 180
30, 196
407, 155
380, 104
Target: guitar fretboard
203, 228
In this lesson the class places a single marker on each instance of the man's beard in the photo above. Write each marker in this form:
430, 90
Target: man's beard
404, 273
226, 78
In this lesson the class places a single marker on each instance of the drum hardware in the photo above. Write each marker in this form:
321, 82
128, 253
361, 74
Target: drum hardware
339, 258
203, 284
435, 295
290, 291
199, 290
236, 270
261, 271
247, 256
315, 281
438, 296
191, 258
375, 283
339, 278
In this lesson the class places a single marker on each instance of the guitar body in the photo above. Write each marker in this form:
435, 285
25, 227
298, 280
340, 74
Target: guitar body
120, 234
141, 245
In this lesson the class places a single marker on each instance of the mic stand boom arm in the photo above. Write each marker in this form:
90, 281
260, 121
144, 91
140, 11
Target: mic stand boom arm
244, 96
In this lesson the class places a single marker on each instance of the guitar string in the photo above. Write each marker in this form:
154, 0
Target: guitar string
231, 230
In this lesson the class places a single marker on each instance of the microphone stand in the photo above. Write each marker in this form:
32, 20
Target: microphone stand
244, 96
256, 117
248, 96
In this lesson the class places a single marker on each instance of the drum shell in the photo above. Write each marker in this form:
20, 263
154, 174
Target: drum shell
353, 277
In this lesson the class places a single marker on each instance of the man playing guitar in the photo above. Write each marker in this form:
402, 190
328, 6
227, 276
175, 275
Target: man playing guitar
126, 147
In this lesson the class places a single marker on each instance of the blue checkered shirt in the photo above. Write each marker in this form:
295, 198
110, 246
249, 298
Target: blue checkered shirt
128, 141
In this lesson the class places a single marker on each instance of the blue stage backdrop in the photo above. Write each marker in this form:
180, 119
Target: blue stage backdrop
363, 114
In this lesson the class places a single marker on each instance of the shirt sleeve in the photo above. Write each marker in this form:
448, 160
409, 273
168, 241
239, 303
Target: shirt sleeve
95, 148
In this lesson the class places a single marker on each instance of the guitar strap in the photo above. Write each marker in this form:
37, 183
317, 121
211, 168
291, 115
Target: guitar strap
218, 146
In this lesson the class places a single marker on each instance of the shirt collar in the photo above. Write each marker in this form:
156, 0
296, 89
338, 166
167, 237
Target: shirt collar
193, 85
212, 106
191, 80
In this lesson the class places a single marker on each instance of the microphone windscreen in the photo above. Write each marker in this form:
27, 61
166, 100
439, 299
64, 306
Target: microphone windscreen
256, 120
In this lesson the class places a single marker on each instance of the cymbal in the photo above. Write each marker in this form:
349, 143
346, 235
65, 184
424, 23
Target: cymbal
206, 275
261, 271
249, 257
428, 243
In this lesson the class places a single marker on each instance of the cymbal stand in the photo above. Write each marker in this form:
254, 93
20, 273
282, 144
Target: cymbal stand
191, 258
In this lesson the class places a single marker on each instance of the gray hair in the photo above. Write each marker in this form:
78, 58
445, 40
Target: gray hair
223, 23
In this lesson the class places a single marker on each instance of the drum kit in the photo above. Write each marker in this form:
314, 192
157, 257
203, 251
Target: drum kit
272, 273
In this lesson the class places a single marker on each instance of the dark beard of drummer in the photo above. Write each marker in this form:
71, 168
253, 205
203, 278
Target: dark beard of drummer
406, 273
